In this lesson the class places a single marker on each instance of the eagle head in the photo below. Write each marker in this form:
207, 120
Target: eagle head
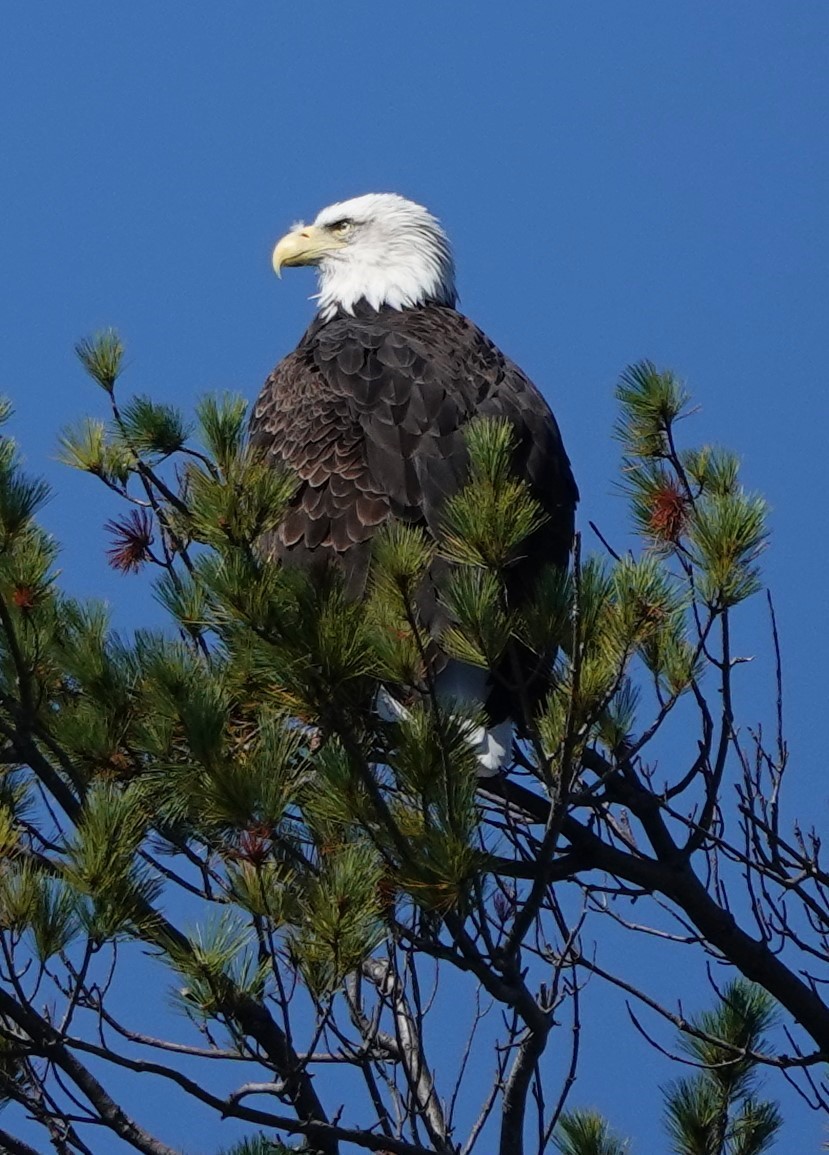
379, 248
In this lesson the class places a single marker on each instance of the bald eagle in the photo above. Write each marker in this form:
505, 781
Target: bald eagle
370, 410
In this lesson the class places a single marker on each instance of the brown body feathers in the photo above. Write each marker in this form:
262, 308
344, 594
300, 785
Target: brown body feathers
369, 411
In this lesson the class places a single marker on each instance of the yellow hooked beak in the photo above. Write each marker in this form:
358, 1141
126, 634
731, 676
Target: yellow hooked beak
305, 246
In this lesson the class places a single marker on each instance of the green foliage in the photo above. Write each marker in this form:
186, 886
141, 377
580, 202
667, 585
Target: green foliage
545, 622
222, 424
660, 504
488, 520
265, 888
336, 800
9, 831
87, 446
401, 555
698, 1122
27, 579
238, 755
436, 775
398, 646
212, 736
258, 1145
726, 535
218, 957
584, 1132
590, 601
475, 599
247, 500
20, 499
692, 1115
651, 401
264, 778
717, 1111
741, 1018
25, 551
341, 920
316, 646
401, 559
206, 753
715, 471
754, 1128
102, 862
148, 427
434, 764
634, 609
99, 675
616, 722
244, 591
651, 616
102, 357
185, 599
687, 504
33, 902
82, 445
645, 601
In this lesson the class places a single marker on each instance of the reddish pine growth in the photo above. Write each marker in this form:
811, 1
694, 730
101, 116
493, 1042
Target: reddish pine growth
254, 846
24, 598
131, 541
668, 513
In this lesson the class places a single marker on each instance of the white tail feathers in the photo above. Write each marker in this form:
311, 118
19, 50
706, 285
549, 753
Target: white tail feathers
493, 748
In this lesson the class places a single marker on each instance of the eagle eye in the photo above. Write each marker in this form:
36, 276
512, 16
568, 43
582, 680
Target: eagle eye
341, 228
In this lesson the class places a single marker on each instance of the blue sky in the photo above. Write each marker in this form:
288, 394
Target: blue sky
620, 180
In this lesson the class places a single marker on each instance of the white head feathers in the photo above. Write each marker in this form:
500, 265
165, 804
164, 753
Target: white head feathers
393, 253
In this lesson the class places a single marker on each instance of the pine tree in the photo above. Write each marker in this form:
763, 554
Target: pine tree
583, 1132
717, 1110
223, 795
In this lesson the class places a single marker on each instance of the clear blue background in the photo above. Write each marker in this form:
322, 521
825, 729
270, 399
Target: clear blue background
620, 180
